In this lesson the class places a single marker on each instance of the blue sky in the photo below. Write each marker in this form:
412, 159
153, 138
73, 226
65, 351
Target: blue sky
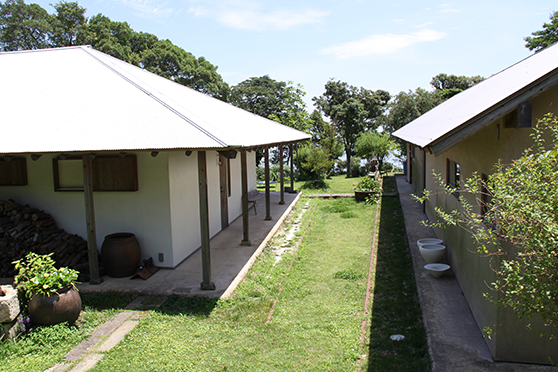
390, 45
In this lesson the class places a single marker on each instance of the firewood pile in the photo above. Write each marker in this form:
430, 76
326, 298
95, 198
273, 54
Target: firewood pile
24, 229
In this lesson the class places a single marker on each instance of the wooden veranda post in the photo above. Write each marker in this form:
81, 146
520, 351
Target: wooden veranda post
207, 284
292, 166
267, 194
281, 175
93, 254
244, 179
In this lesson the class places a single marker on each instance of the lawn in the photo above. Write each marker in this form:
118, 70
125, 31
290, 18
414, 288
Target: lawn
337, 185
302, 310
317, 296
45, 346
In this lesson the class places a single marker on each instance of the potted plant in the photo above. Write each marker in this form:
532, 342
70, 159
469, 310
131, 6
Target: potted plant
366, 188
50, 293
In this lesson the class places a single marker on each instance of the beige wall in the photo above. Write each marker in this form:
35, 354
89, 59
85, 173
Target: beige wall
512, 341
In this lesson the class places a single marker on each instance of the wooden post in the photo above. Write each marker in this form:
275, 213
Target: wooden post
267, 195
292, 166
281, 175
207, 284
93, 253
244, 178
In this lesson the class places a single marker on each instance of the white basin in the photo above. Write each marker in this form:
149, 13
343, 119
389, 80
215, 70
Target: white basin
429, 241
432, 252
436, 269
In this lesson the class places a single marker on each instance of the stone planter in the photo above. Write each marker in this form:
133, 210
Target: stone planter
9, 304
361, 196
56, 308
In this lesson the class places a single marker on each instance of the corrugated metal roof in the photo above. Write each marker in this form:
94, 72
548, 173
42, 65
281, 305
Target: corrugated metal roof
472, 105
79, 99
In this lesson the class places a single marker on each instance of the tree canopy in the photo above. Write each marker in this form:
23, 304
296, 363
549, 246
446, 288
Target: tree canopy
351, 111
546, 37
29, 26
272, 99
447, 86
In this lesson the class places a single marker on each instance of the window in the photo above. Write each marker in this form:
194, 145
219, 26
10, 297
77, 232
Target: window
13, 171
453, 174
110, 173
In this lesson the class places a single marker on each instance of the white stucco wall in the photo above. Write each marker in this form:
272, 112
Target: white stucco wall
184, 205
163, 214
114, 211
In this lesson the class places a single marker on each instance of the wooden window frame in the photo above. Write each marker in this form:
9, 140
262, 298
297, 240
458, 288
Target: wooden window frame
111, 173
13, 172
453, 175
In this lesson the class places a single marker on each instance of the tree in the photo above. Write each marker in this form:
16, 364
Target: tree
272, 99
351, 111
373, 144
68, 24
517, 205
324, 136
448, 86
24, 27
545, 37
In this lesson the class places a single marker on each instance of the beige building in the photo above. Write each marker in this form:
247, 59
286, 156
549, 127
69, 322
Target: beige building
467, 134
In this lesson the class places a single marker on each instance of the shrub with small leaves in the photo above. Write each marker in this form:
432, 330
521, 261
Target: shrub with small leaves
37, 274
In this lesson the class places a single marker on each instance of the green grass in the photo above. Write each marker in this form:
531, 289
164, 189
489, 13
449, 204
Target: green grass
45, 346
316, 323
315, 326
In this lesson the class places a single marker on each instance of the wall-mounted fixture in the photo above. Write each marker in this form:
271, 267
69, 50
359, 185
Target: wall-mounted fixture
154, 153
35, 157
188, 153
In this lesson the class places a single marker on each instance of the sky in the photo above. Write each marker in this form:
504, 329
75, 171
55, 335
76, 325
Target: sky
390, 45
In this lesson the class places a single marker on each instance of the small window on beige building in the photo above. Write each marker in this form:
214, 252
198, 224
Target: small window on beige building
453, 172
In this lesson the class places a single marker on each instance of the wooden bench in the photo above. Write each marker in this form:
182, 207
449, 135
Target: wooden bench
253, 197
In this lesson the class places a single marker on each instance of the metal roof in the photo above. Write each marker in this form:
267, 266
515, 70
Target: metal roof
475, 108
79, 99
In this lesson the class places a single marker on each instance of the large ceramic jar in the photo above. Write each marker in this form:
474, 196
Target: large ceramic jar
120, 254
63, 306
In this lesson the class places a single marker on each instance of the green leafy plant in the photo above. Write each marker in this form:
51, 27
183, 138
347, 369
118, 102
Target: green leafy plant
517, 205
368, 184
37, 274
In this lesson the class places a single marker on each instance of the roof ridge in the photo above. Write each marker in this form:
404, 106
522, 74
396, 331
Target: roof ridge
91, 51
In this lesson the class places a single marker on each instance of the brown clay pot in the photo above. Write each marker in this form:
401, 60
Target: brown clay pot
120, 254
64, 306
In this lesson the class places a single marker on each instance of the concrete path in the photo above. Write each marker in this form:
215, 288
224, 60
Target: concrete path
454, 339
87, 353
228, 258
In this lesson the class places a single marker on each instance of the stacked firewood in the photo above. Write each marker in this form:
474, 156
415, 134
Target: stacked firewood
24, 229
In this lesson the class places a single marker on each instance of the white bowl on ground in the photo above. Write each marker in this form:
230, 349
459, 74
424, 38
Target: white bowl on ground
436, 269
432, 252
429, 241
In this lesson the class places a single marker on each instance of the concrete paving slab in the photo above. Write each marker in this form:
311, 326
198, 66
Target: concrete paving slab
228, 257
108, 327
117, 336
454, 340
82, 348
87, 363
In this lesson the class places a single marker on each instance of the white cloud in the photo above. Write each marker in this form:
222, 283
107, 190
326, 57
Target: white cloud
448, 8
151, 9
250, 16
381, 44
